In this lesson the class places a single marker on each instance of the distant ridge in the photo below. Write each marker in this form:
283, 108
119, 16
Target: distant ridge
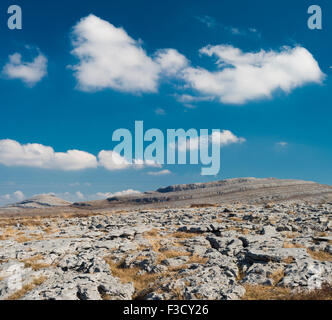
249, 190
41, 201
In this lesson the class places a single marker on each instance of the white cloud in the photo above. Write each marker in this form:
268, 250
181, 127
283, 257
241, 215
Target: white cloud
79, 195
211, 22
29, 72
19, 195
6, 197
14, 197
77, 184
159, 173
104, 195
12, 153
139, 164
243, 77
110, 58
282, 144
160, 111
111, 160
223, 138
171, 61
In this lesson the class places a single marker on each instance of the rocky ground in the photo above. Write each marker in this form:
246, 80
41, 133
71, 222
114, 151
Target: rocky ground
230, 251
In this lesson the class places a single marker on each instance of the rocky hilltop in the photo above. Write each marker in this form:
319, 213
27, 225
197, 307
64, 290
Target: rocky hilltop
41, 201
259, 243
249, 190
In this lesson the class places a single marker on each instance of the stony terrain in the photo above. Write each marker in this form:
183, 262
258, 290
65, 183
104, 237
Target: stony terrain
246, 190
191, 253
235, 250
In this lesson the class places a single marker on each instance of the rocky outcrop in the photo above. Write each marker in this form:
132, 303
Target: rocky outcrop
188, 253
41, 201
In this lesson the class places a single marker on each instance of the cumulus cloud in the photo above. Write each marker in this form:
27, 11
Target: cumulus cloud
241, 77
171, 61
19, 195
28, 72
223, 138
79, 195
111, 160
104, 195
15, 196
110, 58
159, 173
12, 153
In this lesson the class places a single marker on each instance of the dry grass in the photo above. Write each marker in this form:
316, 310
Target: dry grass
34, 263
204, 205
324, 293
183, 235
291, 235
195, 258
152, 234
126, 275
289, 260
320, 255
145, 283
288, 245
277, 276
239, 230
26, 288
280, 293
259, 292
236, 219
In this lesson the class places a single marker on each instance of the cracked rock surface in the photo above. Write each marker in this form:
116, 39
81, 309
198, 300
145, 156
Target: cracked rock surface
180, 253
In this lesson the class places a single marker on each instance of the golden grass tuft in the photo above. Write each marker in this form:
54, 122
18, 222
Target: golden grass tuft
320, 255
204, 205
127, 275
195, 258
277, 276
26, 288
288, 260
183, 235
288, 245
34, 263
324, 293
291, 235
258, 292
236, 219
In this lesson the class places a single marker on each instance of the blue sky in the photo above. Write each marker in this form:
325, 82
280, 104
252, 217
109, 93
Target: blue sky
64, 105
